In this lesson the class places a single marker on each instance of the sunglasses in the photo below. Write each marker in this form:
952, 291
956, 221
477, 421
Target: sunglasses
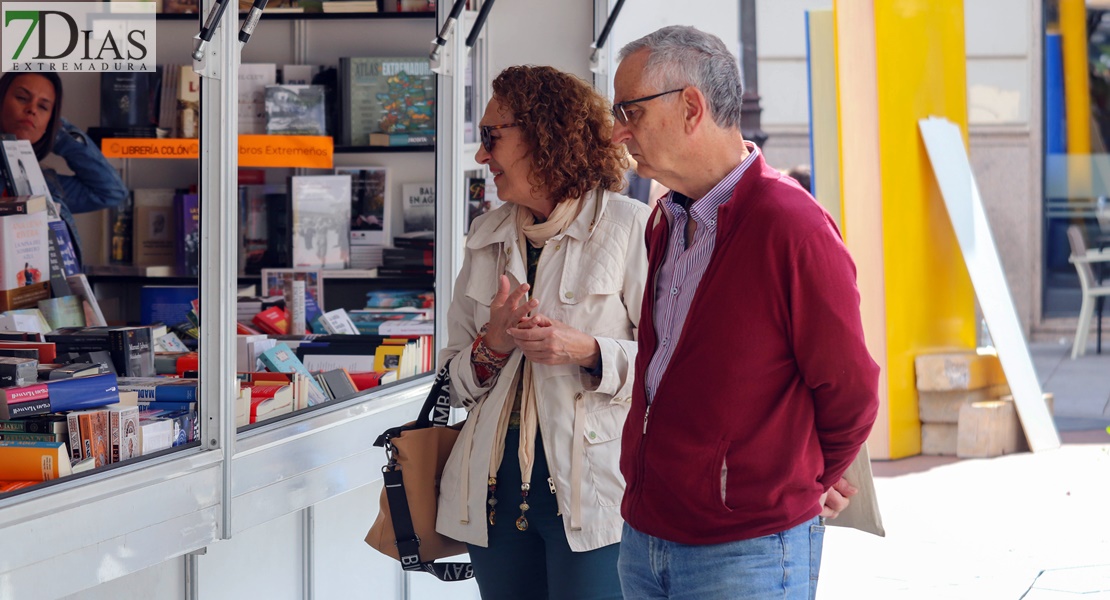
619, 108
487, 139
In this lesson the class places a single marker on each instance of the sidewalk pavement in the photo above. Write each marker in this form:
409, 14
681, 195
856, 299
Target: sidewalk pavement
1023, 526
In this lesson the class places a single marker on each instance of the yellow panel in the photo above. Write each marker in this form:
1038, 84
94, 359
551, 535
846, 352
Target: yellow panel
1077, 91
860, 189
921, 71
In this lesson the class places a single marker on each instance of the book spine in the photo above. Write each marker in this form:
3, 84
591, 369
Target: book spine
74, 436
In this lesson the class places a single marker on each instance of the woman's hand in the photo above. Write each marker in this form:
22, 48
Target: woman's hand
505, 311
549, 342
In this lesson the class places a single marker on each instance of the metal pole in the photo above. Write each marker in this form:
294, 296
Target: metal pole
749, 70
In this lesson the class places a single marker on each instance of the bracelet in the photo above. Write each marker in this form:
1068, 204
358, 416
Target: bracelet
487, 362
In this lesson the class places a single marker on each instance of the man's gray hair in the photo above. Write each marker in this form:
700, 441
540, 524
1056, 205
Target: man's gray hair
680, 56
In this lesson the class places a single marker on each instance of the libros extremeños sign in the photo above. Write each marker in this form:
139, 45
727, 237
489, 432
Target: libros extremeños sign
78, 37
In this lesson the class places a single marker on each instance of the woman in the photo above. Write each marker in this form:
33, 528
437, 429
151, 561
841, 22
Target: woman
540, 346
30, 109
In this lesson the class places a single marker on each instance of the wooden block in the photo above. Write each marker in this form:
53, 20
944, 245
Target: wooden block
939, 439
964, 370
944, 407
988, 429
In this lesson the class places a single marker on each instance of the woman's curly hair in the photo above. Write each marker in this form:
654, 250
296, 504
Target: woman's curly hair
568, 127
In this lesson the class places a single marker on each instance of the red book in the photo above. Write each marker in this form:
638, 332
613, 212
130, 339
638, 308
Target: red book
47, 353
272, 321
369, 379
188, 362
24, 401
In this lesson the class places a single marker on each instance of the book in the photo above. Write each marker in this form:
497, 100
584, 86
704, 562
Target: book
18, 372
26, 401
350, 6
369, 379
166, 303
19, 162
187, 222
22, 205
385, 95
295, 110
160, 389
268, 401
370, 206
253, 81
298, 74
130, 99
123, 427
272, 320
337, 322
33, 461
77, 369
25, 319
281, 359
29, 437
155, 434
320, 214
132, 351
95, 435
425, 240
79, 285
82, 392
153, 226
418, 205
24, 252
415, 138
62, 255
65, 311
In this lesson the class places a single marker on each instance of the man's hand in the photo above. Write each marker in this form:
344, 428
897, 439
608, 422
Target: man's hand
834, 501
549, 342
505, 311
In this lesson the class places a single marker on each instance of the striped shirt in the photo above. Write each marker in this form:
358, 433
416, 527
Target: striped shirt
683, 266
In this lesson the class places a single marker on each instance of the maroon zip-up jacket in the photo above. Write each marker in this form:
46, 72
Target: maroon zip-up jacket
771, 390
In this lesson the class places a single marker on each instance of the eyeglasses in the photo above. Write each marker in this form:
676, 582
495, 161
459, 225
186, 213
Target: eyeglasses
621, 115
487, 139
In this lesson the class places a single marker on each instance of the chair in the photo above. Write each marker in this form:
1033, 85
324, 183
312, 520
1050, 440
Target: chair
1093, 288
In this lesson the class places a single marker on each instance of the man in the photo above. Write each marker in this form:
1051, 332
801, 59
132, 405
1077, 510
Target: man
754, 388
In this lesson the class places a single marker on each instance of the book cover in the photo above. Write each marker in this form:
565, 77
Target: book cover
273, 320
168, 304
320, 211
388, 358
18, 372
82, 392
153, 227
155, 434
19, 402
65, 311
268, 401
25, 320
61, 254
385, 95
369, 379
123, 426
282, 360
24, 251
339, 383
33, 461
295, 110
418, 205
79, 285
253, 80
132, 351
95, 436
370, 206
18, 162
337, 322
130, 99
187, 221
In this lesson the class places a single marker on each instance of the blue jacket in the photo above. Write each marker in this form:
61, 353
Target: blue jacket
94, 185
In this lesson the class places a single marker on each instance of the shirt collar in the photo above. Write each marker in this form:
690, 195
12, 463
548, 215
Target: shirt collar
676, 203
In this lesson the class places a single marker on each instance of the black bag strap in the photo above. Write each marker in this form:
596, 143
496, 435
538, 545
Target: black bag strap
435, 413
408, 543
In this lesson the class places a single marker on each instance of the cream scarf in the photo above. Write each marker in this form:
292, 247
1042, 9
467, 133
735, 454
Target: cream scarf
536, 234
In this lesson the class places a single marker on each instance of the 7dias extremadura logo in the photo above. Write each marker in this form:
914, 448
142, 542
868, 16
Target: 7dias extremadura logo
78, 36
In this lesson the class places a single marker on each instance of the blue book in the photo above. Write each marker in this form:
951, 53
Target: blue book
162, 389
82, 392
160, 405
280, 359
169, 304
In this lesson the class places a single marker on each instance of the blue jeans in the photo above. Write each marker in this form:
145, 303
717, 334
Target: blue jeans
537, 564
783, 566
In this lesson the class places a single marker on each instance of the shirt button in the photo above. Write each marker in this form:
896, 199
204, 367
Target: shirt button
569, 295
664, 341
557, 246
674, 291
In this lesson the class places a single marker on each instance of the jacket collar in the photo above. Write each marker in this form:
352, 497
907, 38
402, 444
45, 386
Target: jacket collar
500, 226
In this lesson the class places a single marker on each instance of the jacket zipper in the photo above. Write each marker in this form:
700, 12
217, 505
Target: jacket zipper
647, 409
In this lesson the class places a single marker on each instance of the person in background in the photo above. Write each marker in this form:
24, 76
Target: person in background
541, 346
800, 173
754, 388
30, 109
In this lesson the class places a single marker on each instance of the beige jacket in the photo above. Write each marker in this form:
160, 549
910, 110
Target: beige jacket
592, 278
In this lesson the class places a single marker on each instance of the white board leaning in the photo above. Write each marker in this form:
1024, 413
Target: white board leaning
948, 156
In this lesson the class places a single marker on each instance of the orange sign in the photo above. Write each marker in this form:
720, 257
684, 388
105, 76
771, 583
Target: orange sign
303, 151
150, 148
